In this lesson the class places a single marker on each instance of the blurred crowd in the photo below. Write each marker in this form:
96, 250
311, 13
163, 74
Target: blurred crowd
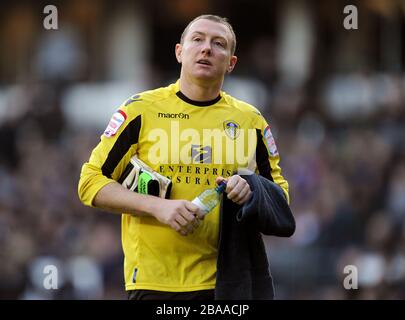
347, 181
42, 222
339, 130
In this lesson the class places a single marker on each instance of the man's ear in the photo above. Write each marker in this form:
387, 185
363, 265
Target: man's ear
177, 50
232, 63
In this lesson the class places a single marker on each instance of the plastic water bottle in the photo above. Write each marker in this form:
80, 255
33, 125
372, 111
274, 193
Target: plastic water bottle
209, 198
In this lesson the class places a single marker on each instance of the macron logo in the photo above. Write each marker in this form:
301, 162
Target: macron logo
173, 115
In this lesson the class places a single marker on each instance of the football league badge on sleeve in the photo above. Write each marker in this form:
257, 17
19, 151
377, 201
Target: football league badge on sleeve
116, 121
270, 143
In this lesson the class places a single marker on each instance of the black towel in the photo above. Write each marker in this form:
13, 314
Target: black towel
242, 266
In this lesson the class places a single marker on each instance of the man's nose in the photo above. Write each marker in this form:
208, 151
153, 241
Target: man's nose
206, 48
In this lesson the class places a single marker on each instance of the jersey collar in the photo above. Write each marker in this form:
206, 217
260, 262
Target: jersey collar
197, 103
186, 99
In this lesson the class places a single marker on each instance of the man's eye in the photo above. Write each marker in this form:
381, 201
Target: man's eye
197, 39
218, 43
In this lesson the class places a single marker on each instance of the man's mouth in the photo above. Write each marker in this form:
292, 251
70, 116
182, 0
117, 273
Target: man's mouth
204, 62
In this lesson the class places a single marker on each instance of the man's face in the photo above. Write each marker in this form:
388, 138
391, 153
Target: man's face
205, 53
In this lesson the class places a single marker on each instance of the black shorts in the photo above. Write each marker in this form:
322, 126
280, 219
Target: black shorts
164, 295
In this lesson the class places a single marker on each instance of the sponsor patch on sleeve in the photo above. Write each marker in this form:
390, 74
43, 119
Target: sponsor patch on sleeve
270, 143
116, 121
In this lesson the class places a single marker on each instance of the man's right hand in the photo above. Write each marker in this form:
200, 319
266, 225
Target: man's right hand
182, 215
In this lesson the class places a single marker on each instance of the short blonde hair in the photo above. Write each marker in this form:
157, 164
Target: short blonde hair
214, 18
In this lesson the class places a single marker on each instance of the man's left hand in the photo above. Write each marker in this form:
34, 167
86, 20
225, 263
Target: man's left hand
237, 189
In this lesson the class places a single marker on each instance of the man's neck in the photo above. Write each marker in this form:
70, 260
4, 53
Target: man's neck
198, 91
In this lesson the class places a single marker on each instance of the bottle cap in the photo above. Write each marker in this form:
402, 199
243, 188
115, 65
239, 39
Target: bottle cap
221, 187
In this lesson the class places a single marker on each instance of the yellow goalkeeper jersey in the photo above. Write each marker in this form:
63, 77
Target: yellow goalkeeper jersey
191, 143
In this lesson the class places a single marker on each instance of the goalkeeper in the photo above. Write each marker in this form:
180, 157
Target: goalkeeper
170, 252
